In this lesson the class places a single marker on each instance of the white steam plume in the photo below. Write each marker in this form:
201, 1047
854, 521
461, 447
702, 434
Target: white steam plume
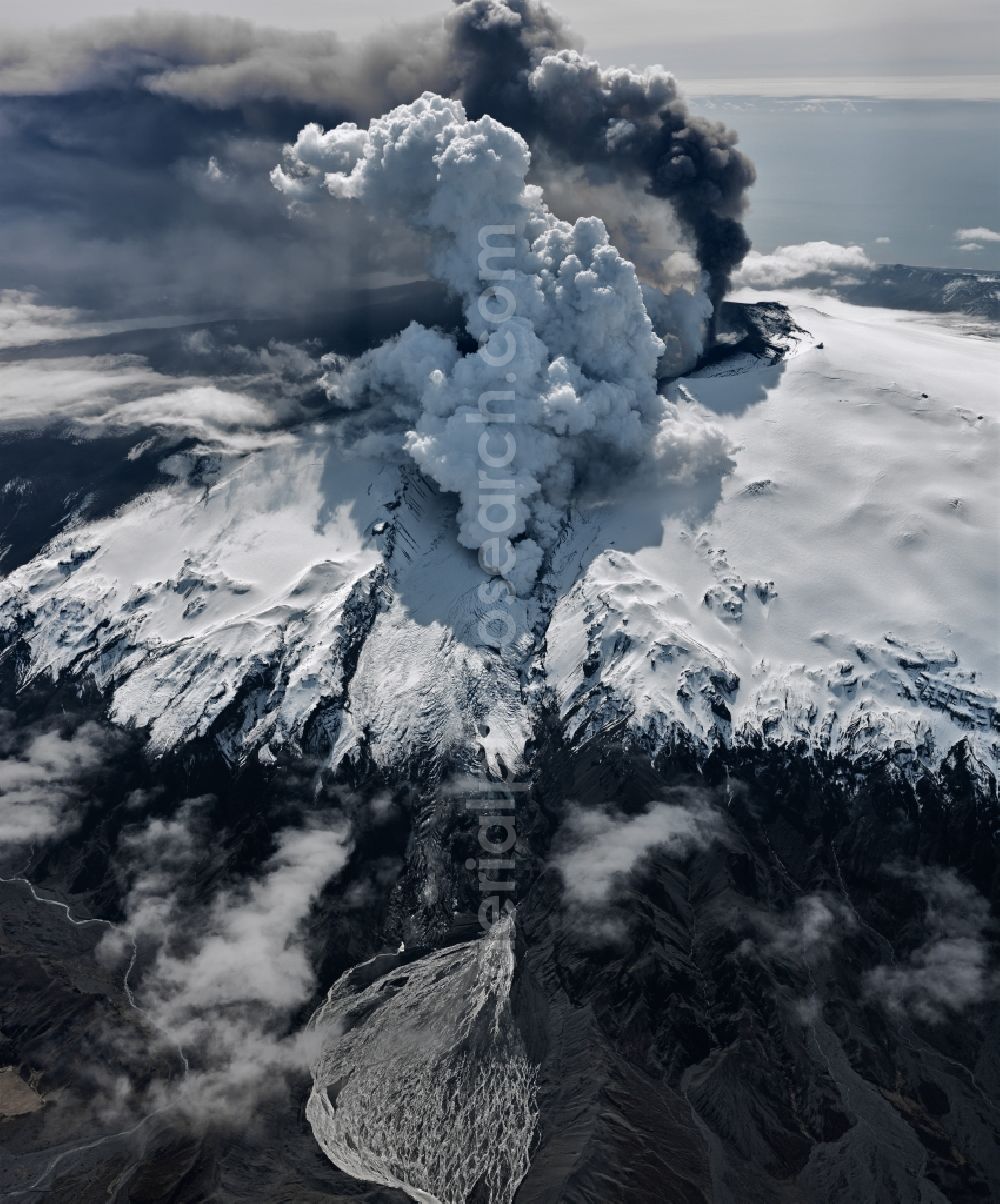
581, 382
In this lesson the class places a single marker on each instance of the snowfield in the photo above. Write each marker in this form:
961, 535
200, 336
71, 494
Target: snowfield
848, 575
835, 591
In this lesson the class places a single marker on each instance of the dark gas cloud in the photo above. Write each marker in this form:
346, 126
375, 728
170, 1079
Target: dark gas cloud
126, 202
617, 124
137, 156
137, 153
223, 63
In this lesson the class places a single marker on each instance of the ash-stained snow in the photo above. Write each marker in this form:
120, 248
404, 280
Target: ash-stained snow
834, 592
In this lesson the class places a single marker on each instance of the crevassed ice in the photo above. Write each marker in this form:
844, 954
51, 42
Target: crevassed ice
424, 1083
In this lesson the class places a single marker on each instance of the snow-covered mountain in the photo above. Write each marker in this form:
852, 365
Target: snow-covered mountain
975, 294
748, 722
827, 594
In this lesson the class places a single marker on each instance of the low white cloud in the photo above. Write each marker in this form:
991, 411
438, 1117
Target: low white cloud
163, 852
601, 846
43, 777
225, 980
883, 240
980, 234
970, 246
801, 261
229, 396
948, 972
234, 394
810, 931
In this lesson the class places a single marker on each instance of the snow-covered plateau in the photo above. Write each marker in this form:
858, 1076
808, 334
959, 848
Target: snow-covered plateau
831, 593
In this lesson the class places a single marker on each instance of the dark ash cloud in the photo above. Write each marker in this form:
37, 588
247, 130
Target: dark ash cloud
618, 125
137, 154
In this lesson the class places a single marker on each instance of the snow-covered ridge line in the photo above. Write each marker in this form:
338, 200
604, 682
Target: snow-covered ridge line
833, 593
615, 659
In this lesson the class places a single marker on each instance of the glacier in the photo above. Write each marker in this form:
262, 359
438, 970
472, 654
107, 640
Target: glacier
424, 1082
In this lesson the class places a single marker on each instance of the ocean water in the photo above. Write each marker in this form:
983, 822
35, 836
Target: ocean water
852, 171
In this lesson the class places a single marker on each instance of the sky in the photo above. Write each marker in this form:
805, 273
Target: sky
906, 180
872, 123
771, 47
